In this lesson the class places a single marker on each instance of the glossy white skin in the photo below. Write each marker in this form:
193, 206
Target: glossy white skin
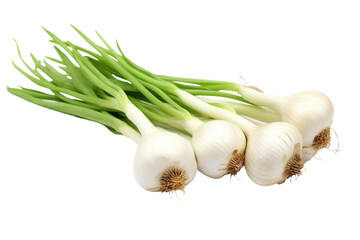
310, 112
268, 149
159, 151
214, 143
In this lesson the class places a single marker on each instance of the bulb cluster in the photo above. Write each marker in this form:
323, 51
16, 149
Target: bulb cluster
177, 132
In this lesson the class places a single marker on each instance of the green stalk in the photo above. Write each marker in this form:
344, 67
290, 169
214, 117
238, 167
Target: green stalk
95, 76
158, 117
223, 106
187, 99
86, 113
143, 80
79, 80
114, 98
45, 84
59, 79
38, 94
214, 93
204, 87
255, 112
151, 112
80, 103
225, 85
178, 113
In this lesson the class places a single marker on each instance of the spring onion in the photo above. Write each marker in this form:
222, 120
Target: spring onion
268, 160
311, 112
177, 130
164, 161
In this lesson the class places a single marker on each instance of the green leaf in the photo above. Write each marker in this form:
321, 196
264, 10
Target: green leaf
70, 109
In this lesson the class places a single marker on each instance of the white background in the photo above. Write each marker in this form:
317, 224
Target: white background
66, 178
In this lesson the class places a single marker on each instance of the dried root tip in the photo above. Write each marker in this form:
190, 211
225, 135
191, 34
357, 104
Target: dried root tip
294, 165
173, 179
322, 139
236, 162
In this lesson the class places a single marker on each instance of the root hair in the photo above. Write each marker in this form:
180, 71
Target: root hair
322, 139
236, 162
173, 179
294, 165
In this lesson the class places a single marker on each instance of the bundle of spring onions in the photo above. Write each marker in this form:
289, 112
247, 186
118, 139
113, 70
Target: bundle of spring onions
178, 131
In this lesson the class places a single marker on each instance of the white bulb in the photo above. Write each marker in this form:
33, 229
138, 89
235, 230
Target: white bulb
164, 161
273, 153
312, 113
219, 148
